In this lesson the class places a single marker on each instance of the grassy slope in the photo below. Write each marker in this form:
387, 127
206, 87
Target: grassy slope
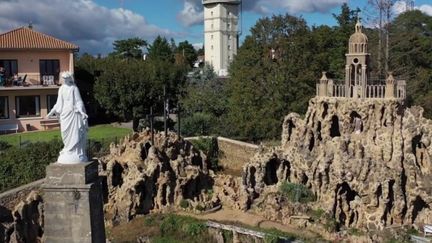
98, 132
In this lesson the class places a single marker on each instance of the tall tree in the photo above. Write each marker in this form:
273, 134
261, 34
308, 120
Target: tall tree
186, 54
129, 48
129, 89
411, 56
161, 49
380, 14
270, 76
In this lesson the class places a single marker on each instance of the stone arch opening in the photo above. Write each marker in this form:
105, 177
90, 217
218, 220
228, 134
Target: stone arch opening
343, 196
270, 177
311, 142
319, 131
334, 128
325, 111
291, 126
418, 205
415, 145
356, 122
145, 150
252, 177
117, 175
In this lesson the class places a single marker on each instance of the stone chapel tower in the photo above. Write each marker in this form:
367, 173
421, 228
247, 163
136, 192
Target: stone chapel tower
357, 60
221, 20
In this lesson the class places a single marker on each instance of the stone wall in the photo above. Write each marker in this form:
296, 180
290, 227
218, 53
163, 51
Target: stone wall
234, 154
12, 197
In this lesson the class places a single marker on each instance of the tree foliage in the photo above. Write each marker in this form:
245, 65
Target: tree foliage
161, 49
185, 54
129, 48
411, 56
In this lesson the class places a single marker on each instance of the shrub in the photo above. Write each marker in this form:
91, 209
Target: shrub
24, 165
169, 225
317, 214
199, 207
210, 148
194, 229
4, 145
296, 192
271, 238
184, 203
227, 235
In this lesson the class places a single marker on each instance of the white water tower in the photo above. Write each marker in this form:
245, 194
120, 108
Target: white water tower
221, 33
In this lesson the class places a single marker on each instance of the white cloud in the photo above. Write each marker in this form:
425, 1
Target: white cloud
401, 6
198, 46
192, 13
291, 6
83, 22
425, 8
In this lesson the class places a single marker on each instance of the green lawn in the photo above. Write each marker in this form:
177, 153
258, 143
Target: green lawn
99, 133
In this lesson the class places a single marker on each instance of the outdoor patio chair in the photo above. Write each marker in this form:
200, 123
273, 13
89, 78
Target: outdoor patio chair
50, 80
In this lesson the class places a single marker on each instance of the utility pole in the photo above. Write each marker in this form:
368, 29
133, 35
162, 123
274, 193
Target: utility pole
178, 119
151, 125
165, 110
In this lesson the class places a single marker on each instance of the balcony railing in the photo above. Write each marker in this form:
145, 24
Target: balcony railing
29, 80
389, 88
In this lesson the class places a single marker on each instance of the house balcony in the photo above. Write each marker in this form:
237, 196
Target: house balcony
30, 81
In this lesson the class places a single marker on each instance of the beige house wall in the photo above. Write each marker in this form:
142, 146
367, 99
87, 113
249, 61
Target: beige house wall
34, 122
28, 61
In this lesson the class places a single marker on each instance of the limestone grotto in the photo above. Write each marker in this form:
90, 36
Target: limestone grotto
141, 178
361, 152
366, 161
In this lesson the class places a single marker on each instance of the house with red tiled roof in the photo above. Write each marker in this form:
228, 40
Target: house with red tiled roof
30, 67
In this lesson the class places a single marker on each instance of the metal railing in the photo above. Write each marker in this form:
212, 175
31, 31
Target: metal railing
28, 80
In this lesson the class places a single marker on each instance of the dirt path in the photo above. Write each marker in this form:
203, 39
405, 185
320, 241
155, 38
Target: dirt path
234, 216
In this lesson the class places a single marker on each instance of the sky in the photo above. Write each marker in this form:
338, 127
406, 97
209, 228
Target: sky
95, 24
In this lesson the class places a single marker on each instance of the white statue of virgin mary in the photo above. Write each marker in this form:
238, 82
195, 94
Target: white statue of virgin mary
73, 122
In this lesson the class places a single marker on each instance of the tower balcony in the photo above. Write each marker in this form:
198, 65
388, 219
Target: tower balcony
373, 89
236, 2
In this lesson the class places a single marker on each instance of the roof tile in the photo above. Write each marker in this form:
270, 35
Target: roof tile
26, 38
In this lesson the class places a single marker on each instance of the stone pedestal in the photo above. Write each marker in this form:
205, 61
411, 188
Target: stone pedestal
73, 204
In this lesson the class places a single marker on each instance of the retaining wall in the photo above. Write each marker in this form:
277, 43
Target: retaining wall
233, 154
12, 197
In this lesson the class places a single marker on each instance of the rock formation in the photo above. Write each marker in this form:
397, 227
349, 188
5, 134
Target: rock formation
366, 160
24, 223
141, 178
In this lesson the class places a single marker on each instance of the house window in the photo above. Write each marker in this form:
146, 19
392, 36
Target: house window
228, 25
27, 106
211, 13
212, 37
4, 107
229, 47
10, 67
212, 26
229, 37
51, 101
49, 68
212, 47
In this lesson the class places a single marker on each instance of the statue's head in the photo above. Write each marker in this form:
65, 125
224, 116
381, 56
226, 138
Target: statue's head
68, 78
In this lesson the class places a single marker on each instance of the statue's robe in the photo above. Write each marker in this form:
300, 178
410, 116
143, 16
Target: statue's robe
72, 125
